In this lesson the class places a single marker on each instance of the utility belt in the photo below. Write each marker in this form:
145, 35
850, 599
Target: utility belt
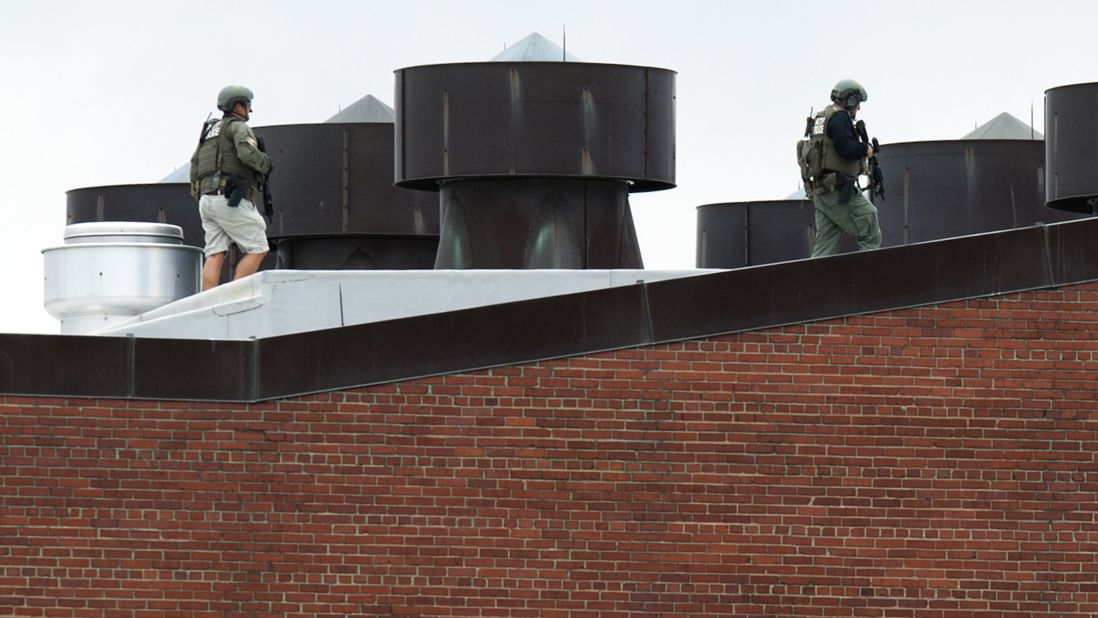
830, 181
233, 187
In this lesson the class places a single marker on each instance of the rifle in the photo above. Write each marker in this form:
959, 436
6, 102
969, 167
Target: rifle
268, 200
206, 126
876, 177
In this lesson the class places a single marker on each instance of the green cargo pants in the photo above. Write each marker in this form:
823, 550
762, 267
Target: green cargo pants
858, 218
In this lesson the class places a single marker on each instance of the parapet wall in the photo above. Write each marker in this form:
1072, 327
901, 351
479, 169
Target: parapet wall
936, 461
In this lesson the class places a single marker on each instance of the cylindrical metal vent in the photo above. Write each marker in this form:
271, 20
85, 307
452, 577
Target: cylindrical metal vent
167, 202
939, 189
568, 140
935, 190
109, 272
542, 223
1071, 147
335, 203
535, 119
738, 234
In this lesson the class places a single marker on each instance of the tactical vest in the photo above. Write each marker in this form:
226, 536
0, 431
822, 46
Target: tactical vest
217, 160
818, 157
832, 161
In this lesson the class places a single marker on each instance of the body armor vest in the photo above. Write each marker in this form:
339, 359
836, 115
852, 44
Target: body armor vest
217, 159
831, 160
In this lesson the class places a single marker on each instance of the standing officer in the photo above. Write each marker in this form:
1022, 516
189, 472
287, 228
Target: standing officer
840, 158
227, 169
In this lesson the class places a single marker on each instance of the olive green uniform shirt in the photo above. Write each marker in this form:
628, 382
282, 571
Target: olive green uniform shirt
231, 148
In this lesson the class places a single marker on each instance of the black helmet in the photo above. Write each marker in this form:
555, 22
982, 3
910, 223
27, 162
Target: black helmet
231, 95
847, 88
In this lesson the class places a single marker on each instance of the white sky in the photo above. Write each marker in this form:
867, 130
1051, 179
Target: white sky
112, 91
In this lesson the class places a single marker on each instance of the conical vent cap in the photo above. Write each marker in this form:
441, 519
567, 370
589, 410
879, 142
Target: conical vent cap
367, 109
1003, 126
535, 48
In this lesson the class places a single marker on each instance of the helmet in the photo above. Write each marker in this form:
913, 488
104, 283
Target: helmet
847, 88
230, 95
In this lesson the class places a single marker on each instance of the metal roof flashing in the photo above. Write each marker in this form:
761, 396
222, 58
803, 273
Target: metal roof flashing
474, 321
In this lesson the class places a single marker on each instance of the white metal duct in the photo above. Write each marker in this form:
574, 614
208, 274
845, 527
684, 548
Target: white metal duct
108, 272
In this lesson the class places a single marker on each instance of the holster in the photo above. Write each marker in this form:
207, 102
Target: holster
847, 186
824, 183
236, 189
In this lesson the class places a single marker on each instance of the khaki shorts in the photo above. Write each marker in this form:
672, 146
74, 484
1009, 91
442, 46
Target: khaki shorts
242, 225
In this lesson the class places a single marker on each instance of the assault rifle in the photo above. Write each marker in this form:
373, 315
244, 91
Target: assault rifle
268, 201
876, 178
206, 127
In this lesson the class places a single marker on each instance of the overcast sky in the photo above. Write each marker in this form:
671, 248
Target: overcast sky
112, 92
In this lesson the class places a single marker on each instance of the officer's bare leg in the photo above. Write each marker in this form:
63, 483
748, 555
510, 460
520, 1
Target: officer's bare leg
248, 265
211, 270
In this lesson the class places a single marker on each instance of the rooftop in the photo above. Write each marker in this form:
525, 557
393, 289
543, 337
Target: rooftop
608, 318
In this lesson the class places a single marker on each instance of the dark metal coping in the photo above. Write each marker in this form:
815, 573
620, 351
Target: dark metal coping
574, 324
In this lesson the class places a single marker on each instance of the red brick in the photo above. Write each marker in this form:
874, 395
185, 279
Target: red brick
936, 461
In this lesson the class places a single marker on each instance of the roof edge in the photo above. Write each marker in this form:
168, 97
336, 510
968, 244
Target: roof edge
695, 307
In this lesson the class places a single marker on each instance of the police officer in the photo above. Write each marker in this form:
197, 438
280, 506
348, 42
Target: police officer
227, 170
840, 205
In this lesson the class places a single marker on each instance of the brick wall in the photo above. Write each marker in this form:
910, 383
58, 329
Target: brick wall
931, 462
